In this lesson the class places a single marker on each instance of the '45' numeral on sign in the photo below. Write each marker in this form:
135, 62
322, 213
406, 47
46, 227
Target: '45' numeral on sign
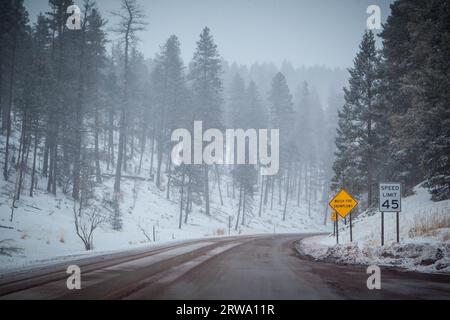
74, 20
393, 204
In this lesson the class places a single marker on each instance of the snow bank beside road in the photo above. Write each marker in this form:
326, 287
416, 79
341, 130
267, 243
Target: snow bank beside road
424, 238
422, 257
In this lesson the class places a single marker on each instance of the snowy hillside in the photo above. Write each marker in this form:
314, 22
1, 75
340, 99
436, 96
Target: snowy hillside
43, 226
424, 237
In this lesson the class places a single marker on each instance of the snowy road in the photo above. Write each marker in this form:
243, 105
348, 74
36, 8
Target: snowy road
258, 267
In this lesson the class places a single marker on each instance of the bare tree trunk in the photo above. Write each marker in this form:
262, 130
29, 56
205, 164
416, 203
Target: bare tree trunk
188, 200
280, 177
50, 169
168, 161
21, 143
306, 188
287, 195
181, 201
152, 154
33, 172
158, 165
46, 155
234, 184
205, 169
79, 113
299, 188
261, 196
120, 155
14, 199
55, 163
239, 208
266, 192
143, 141
23, 160
98, 174
309, 193
369, 164
294, 184
111, 137
218, 182
132, 145
315, 184
243, 206
120, 152
125, 147
10, 103
169, 176
271, 189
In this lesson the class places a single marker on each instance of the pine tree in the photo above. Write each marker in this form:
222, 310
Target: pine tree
415, 91
13, 26
206, 83
281, 113
80, 99
39, 83
169, 98
237, 102
357, 140
256, 112
96, 63
281, 117
131, 22
403, 150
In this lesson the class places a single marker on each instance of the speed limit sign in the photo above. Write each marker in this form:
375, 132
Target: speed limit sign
390, 197
390, 201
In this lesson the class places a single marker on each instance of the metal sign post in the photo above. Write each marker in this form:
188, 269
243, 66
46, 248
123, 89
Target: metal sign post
351, 231
390, 200
343, 203
334, 217
398, 226
337, 232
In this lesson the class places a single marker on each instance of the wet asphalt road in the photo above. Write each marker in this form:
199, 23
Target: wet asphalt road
259, 267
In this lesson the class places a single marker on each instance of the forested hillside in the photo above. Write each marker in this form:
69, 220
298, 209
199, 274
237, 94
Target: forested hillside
394, 124
86, 134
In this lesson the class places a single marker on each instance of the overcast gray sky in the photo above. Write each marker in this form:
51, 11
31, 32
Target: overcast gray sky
305, 32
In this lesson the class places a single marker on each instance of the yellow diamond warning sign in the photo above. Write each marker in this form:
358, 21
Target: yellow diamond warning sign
343, 203
334, 216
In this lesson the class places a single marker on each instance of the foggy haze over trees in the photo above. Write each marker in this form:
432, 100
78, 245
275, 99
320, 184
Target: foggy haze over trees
83, 107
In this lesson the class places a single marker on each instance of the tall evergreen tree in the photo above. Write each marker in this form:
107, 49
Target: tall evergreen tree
281, 112
131, 21
415, 91
281, 117
13, 26
357, 140
169, 97
206, 83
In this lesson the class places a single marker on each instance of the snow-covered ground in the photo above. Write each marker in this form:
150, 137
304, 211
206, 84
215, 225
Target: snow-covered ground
424, 238
43, 226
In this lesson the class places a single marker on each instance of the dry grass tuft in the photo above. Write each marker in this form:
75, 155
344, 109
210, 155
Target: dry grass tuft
429, 224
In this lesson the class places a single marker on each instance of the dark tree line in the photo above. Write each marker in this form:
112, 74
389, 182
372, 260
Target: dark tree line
394, 125
79, 111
